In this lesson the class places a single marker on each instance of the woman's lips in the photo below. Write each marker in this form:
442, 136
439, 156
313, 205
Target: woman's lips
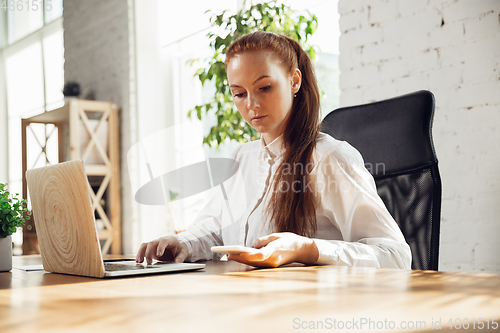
258, 118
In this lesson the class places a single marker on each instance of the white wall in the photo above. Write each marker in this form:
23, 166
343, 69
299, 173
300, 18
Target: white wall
452, 48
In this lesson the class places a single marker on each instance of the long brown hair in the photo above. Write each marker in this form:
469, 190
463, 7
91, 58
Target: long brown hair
291, 210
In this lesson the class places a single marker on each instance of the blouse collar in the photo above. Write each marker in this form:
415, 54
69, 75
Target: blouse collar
275, 148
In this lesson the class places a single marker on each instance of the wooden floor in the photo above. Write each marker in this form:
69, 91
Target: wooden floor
230, 297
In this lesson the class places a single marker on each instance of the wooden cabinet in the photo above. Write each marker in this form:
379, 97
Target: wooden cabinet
85, 130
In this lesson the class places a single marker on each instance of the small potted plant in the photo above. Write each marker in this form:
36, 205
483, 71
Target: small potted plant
11, 217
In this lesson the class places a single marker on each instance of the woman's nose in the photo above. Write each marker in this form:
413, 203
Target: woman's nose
252, 102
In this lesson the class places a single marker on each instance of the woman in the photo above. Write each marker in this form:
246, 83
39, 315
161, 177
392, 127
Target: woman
309, 198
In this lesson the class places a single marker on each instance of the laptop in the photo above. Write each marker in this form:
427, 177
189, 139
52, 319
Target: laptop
66, 230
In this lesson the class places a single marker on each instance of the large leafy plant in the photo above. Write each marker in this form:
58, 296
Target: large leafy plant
11, 212
272, 16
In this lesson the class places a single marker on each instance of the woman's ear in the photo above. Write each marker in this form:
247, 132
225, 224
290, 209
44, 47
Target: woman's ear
296, 80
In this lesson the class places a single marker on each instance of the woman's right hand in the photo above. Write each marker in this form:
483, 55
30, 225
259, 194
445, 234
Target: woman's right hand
167, 248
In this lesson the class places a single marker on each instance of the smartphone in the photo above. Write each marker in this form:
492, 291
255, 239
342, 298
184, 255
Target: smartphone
233, 249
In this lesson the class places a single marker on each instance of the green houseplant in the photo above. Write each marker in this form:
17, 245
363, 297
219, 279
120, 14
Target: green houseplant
11, 217
270, 16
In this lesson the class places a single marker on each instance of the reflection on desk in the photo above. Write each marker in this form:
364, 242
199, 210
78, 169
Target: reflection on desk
231, 297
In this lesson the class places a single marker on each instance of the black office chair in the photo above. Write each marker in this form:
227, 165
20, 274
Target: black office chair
394, 137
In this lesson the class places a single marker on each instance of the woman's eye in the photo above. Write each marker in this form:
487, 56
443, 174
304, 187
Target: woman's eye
239, 95
265, 88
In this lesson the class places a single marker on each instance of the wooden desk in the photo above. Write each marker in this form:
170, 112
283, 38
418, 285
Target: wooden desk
229, 297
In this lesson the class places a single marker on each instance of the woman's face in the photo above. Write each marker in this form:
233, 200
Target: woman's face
262, 90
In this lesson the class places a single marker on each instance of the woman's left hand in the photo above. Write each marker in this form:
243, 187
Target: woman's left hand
279, 249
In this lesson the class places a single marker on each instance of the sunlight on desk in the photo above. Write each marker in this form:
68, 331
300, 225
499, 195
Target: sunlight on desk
228, 296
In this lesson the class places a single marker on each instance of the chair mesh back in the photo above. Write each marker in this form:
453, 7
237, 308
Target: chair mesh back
411, 199
394, 138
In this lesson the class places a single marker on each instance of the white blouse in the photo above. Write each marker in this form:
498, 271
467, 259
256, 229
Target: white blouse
354, 226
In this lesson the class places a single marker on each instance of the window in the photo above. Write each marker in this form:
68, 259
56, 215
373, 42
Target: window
33, 58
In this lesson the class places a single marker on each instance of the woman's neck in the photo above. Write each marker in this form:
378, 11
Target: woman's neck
268, 138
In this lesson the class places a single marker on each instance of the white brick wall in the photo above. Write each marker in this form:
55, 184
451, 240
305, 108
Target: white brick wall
98, 39
452, 48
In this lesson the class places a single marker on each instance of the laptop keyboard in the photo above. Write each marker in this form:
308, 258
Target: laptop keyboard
119, 267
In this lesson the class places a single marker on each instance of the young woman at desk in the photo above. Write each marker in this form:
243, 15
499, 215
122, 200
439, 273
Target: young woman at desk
309, 197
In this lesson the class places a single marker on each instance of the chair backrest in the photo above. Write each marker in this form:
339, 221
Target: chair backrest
394, 137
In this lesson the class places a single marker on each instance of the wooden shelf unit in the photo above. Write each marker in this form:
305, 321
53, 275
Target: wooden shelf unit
80, 125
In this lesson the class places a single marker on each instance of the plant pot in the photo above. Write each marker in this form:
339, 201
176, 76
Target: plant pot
6, 254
